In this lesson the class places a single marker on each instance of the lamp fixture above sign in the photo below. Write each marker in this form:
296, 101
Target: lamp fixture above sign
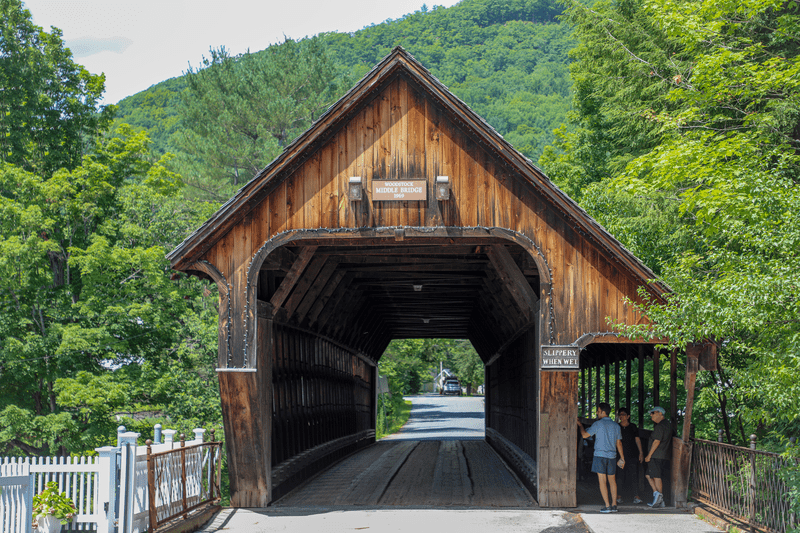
354, 190
442, 188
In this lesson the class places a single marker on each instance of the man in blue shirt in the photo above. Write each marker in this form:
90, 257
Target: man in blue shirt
607, 442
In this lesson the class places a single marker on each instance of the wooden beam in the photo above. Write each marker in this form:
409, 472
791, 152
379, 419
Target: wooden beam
280, 258
641, 386
304, 283
316, 290
673, 386
656, 377
341, 278
513, 279
628, 357
303, 258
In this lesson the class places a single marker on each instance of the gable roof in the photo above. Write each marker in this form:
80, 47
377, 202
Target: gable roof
399, 62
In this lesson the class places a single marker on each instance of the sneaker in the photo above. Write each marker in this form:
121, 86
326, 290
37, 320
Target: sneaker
605, 510
660, 501
619, 500
613, 508
637, 500
656, 495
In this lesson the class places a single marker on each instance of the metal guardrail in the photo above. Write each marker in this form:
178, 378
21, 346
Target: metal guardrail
182, 480
743, 483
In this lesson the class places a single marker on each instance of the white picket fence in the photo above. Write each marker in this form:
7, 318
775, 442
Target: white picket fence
109, 490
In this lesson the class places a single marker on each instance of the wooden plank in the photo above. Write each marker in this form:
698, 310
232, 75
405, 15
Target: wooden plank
514, 280
641, 386
673, 386
247, 419
315, 291
329, 190
293, 276
304, 283
368, 145
557, 443
311, 192
325, 296
656, 376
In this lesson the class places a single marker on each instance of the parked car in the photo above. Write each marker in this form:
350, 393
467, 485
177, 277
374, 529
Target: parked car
451, 386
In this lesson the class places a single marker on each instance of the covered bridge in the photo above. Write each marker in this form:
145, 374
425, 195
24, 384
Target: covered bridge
402, 214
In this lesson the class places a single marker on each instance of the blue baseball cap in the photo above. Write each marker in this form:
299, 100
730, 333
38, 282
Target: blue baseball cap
659, 409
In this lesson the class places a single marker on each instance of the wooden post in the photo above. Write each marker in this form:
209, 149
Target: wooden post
673, 386
557, 443
641, 386
246, 396
628, 357
606, 367
597, 386
583, 392
656, 380
589, 398
616, 381
151, 488
183, 477
682, 448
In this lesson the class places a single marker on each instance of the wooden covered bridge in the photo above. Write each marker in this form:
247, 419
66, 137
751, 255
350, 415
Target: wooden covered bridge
402, 214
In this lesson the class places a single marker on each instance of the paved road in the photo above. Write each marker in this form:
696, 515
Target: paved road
437, 417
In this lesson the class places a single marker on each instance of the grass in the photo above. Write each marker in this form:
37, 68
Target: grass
398, 422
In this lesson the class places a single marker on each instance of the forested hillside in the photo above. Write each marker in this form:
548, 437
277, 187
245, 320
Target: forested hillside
507, 59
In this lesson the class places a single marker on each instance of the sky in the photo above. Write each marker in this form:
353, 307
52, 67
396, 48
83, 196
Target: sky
138, 43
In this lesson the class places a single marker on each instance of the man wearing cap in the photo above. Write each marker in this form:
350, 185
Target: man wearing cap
658, 458
607, 442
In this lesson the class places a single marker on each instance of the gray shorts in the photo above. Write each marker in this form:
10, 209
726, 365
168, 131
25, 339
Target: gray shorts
604, 465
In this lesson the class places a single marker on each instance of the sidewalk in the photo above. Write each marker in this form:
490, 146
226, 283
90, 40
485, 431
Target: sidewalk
588, 520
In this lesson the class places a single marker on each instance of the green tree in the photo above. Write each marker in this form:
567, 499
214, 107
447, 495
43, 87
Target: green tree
240, 111
85, 296
48, 104
687, 145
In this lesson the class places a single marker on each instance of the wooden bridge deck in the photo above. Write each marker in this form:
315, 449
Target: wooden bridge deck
416, 473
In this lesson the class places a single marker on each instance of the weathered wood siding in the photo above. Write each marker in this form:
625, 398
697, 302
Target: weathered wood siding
402, 134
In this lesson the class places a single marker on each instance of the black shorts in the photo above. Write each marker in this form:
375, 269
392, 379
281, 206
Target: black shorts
656, 468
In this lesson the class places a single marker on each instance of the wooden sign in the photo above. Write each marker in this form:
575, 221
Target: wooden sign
561, 357
399, 190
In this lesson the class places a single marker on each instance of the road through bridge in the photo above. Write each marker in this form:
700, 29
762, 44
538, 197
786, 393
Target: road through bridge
440, 459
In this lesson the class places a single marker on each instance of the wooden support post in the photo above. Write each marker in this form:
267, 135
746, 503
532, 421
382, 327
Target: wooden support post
641, 386
597, 387
589, 409
628, 356
557, 443
583, 393
656, 375
682, 448
606, 366
673, 386
246, 396
616, 381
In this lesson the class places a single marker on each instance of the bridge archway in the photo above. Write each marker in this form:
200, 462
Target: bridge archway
309, 255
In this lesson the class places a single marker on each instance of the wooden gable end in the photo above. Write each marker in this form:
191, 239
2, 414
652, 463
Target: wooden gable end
404, 133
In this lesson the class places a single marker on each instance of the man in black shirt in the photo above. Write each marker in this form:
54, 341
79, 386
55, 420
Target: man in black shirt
628, 477
658, 457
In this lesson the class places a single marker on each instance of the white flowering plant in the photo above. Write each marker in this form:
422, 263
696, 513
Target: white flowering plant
52, 502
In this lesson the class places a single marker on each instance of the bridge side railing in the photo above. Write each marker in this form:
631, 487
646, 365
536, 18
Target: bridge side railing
182, 480
743, 483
